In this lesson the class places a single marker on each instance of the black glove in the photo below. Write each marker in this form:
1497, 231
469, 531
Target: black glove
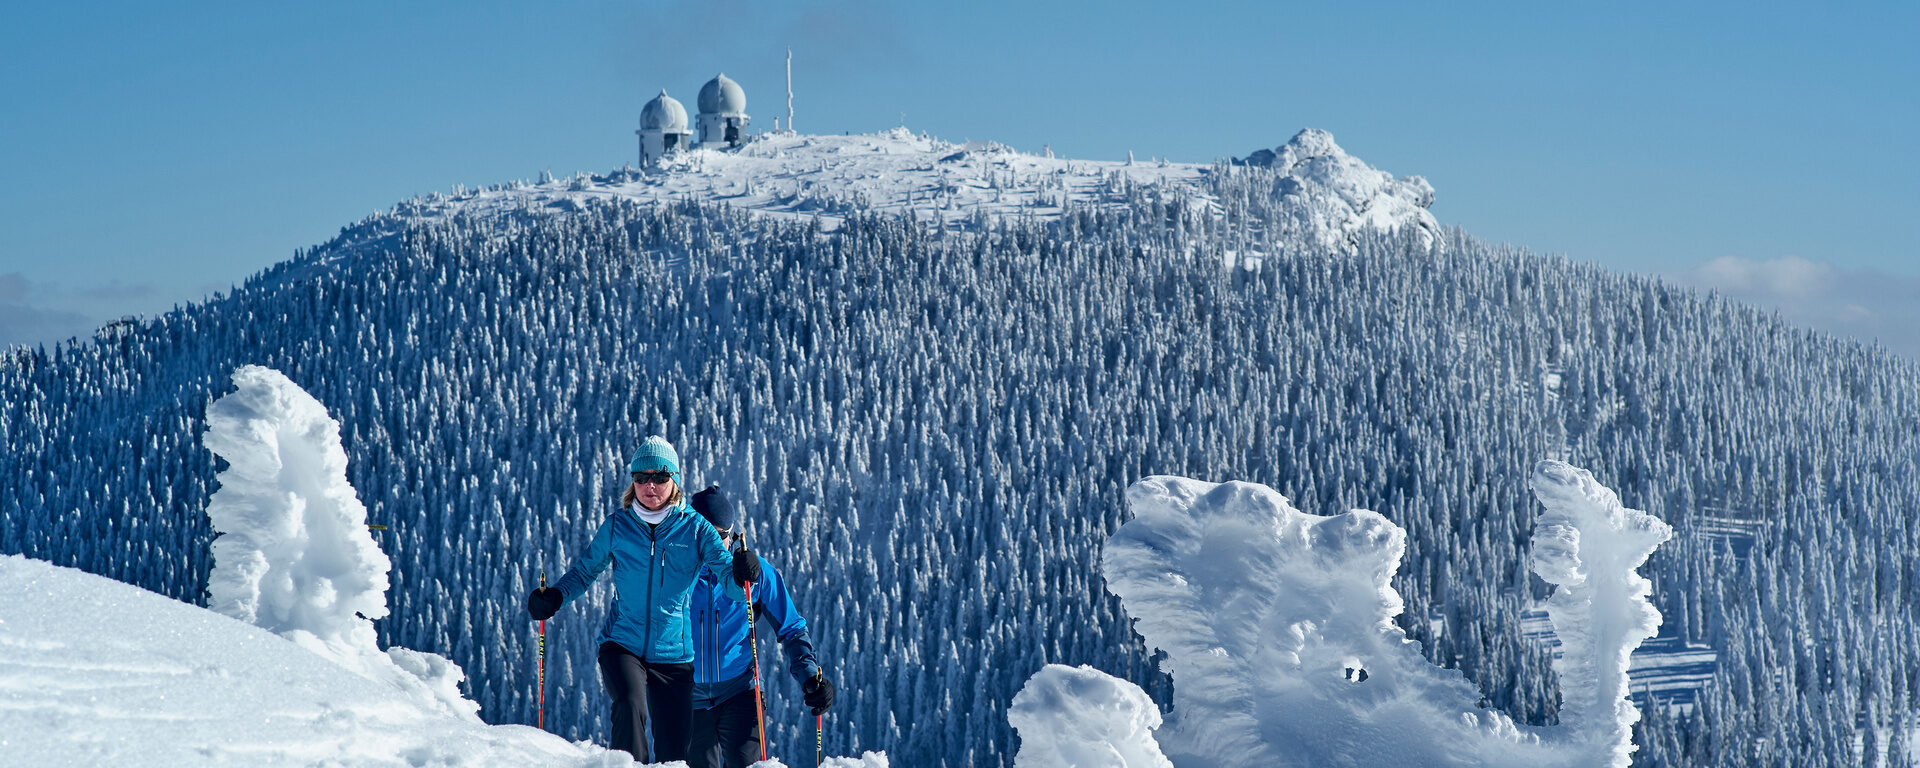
542, 603
746, 567
819, 692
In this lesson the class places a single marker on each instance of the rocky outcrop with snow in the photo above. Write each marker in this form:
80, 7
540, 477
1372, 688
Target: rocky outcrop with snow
1333, 197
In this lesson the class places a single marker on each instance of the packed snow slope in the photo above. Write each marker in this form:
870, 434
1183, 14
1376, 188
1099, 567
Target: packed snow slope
929, 425
100, 673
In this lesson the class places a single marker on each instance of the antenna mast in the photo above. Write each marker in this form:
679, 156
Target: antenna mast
789, 90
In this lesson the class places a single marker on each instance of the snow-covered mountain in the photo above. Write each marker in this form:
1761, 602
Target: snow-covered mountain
929, 415
1330, 197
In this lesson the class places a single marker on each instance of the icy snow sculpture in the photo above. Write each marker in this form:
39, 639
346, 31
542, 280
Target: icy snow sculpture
293, 554
1081, 716
1278, 626
1591, 548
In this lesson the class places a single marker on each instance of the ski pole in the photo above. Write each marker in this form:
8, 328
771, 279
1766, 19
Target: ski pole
753, 641
543, 661
818, 741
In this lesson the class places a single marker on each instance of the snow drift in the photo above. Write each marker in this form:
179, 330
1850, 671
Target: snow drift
1278, 627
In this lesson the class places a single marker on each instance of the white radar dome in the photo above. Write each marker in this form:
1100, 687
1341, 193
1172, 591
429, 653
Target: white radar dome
664, 114
722, 96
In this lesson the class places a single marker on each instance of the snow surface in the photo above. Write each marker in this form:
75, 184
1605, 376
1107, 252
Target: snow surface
1080, 716
96, 672
1268, 615
1332, 195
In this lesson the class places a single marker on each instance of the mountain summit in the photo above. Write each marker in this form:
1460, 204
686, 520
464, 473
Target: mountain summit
1329, 197
1346, 194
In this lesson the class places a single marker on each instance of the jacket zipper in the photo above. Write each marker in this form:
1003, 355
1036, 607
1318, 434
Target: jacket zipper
653, 569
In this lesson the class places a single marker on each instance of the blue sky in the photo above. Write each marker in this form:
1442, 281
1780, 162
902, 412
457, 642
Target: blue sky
156, 152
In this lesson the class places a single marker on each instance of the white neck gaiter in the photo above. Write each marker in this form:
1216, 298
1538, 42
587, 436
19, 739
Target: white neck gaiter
648, 515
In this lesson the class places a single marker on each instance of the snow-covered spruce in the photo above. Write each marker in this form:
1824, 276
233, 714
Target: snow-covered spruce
293, 554
1279, 631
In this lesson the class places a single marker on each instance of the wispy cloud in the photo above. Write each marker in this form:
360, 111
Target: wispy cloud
13, 288
117, 291
44, 313
1865, 304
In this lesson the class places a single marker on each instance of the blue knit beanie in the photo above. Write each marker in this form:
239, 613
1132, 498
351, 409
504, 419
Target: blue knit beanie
655, 455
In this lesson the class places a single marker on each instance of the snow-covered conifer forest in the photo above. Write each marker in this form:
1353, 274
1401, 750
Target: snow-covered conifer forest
930, 424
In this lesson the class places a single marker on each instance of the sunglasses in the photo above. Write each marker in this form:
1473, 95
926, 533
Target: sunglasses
653, 478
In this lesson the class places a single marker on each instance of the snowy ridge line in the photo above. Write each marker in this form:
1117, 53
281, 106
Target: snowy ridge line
966, 185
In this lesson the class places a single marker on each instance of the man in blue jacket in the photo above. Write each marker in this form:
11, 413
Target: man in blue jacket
658, 548
725, 719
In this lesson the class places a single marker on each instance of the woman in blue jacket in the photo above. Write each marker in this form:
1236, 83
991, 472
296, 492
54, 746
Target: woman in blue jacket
726, 730
658, 548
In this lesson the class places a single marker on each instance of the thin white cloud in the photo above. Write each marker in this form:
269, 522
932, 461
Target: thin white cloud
1865, 304
13, 288
33, 313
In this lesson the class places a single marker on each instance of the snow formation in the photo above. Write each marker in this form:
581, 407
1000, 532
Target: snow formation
96, 672
293, 552
1070, 716
1330, 196
1280, 636
1590, 547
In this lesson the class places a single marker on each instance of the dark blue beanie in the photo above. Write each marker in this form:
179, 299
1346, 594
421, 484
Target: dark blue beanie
713, 505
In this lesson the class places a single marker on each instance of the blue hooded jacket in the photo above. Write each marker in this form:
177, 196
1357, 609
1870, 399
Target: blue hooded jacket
654, 569
723, 661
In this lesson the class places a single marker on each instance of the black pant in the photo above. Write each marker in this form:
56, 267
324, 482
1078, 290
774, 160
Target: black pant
727, 736
639, 686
